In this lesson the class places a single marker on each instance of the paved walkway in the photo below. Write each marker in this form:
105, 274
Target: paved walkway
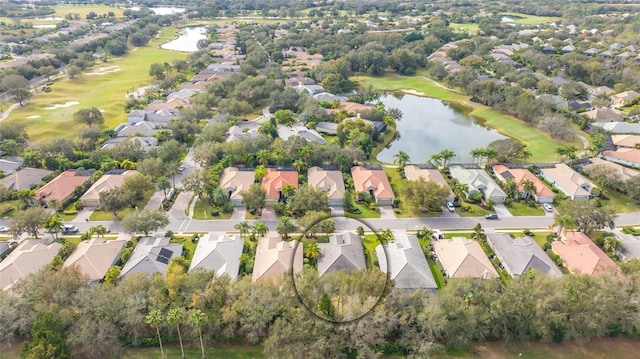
502, 211
386, 212
84, 214
239, 214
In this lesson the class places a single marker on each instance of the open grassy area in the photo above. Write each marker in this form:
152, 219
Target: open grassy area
405, 210
540, 143
202, 210
472, 29
365, 212
524, 19
83, 10
476, 211
620, 202
370, 242
106, 92
522, 209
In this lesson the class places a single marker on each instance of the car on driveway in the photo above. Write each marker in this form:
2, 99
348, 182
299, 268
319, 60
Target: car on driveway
547, 207
491, 216
450, 207
181, 168
4, 229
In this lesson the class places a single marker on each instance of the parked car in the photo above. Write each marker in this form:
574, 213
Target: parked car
4, 229
547, 207
181, 168
450, 207
491, 216
69, 228
437, 234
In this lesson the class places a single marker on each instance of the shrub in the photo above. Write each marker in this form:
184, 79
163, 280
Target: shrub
475, 197
215, 212
527, 232
279, 208
227, 208
168, 234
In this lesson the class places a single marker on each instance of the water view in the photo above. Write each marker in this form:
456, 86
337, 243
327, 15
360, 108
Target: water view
161, 10
428, 126
188, 39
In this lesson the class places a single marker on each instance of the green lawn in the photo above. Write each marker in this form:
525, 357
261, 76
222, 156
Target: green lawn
202, 210
83, 10
370, 242
436, 271
405, 209
620, 202
521, 209
187, 243
539, 142
476, 211
366, 212
472, 29
106, 92
525, 19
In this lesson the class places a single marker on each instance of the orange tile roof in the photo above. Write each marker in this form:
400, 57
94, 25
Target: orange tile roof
625, 154
522, 174
364, 180
581, 255
276, 179
61, 187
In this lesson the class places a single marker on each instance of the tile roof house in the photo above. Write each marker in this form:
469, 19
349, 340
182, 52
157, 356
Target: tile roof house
143, 129
151, 255
604, 114
28, 257
568, 181
581, 256
464, 258
235, 180
219, 252
107, 182
275, 180
429, 173
625, 98
406, 264
518, 175
343, 252
374, 181
619, 127
285, 132
520, 255
10, 164
631, 141
275, 257
478, 181
330, 181
624, 156
94, 257
25, 178
62, 187
246, 130
146, 143
621, 173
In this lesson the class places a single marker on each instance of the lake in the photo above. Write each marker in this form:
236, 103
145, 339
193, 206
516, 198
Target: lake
161, 10
428, 126
188, 39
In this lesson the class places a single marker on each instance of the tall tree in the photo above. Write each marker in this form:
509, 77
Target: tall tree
176, 317
308, 198
53, 225
401, 159
90, 116
29, 221
529, 188
17, 87
254, 198
446, 155
425, 195
154, 319
587, 216
244, 228
163, 184
145, 221
260, 229
285, 227
197, 319
312, 251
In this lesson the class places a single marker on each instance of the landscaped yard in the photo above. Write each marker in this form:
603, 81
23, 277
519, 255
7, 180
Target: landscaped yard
98, 215
370, 242
476, 211
50, 115
365, 212
187, 243
540, 143
620, 202
522, 209
405, 210
202, 210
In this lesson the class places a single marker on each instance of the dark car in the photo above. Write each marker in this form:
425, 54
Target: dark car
491, 216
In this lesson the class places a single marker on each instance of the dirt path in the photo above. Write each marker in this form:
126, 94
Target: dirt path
6, 113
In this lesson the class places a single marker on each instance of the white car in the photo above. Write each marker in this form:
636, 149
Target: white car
547, 207
4, 229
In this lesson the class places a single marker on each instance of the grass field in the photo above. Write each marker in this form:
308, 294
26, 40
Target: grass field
83, 10
521, 209
472, 29
106, 92
539, 142
524, 19
202, 210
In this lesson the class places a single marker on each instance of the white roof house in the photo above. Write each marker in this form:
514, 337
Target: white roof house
218, 252
406, 264
275, 257
479, 181
568, 181
28, 257
95, 257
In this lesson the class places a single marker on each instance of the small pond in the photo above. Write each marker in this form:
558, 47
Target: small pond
188, 39
161, 10
428, 126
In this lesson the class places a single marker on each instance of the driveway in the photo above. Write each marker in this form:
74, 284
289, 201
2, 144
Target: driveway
238, 214
386, 212
268, 214
337, 211
502, 211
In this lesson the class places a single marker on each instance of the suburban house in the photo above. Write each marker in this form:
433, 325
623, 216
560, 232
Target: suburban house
344, 252
372, 179
94, 257
146, 143
518, 175
330, 128
622, 173
625, 98
235, 180
25, 178
624, 156
604, 114
619, 127
108, 181
218, 252
275, 257
464, 258
246, 130
520, 255
570, 182
286, 132
478, 181
28, 257
151, 255
139, 129
630, 141
580, 255
62, 187
275, 180
428, 173
330, 181
406, 264
10, 164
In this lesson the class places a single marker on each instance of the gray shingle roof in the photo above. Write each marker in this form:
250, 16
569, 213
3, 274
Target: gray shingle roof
521, 254
343, 252
405, 262
218, 252
151, 255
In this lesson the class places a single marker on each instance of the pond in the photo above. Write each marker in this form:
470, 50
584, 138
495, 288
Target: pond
161, 10
188, 39
428, 126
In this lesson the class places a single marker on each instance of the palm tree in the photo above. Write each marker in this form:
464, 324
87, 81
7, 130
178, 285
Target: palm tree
285, 227
263, 157
477, 153
163, 184
561, 152
510, 188
25, 195
288, 190
55, 204
564, 222
197, 320
447, 155
528, 188
478, 232
128, 165
260, 228
312, 251
435, 160
525, 153
401, 159
243, 227
172, 170
490, 154
154, 319
99, 230
54, 225
299, 165
460, 190
176, 317
386, 236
